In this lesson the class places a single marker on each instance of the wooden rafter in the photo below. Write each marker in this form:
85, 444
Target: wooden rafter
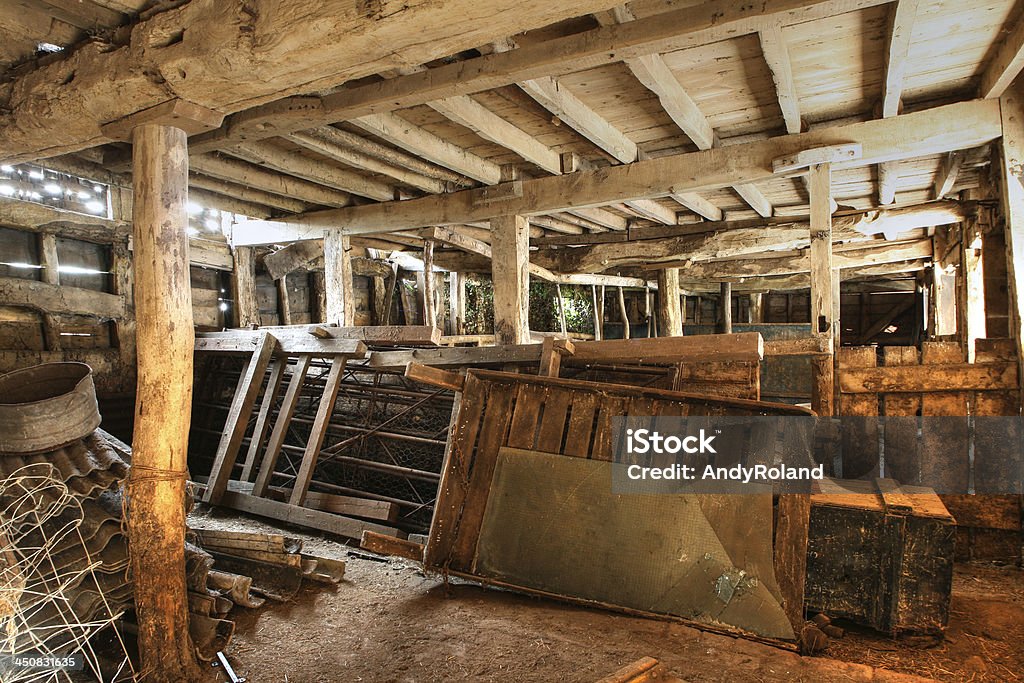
901, 29
1006, 64
776, 54
902, 137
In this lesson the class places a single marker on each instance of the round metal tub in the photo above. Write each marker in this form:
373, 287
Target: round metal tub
46, 407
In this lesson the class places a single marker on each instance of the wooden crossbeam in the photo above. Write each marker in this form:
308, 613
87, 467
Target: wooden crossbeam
901, 137
901, 28
1006, 64
776, 54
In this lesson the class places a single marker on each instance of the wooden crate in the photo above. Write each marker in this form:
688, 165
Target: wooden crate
884, 560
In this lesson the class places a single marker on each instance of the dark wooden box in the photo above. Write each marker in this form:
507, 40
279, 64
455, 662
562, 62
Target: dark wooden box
881, 555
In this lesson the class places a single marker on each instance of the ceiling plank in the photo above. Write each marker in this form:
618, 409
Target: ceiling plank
319, 140
902, 137
776, 54
235, 171
421, 142
901, 28
686, 27
1006, 64
469, 113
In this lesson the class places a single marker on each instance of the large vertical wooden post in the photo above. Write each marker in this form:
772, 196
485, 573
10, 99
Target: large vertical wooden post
598, 314
822, 314
1012, 182
338, 278
457, 301
156, 485
510, 244
429, 285
243, 286
670, 320
725, 310
756, 308
50, 274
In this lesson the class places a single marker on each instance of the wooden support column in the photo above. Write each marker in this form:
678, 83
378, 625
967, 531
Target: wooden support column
756, 308
623, 314
725, 307
284, 308
598, 314
50, 275
822, 314
122, 275
338, 279
510, 244
562, 325
156, 485
429, 285
1012, 181
318, 296
457, 301
670, 320
243, 285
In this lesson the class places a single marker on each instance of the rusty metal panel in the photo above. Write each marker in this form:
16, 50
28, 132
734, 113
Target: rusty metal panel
552, 524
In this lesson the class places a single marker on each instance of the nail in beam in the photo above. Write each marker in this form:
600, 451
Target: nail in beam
165, 339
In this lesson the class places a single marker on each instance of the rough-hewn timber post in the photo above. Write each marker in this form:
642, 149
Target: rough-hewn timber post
670, 320
510, 246
429, 285
163, 304
163, 403
725, 307
457, 301
822, 313
1012, 185
338, 278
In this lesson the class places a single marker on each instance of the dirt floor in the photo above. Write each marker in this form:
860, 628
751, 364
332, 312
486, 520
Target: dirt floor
389, 622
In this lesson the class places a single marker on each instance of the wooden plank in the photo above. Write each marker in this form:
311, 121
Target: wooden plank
494, 431
435, 377
280, 431
776, 55
916, 134
351, 506
238, 418
301, 516
945, 461
338, 279
263, 417
1011, 179
318, 431
996, 466
377, 335
860, 413
61, 299
792, 518
298, 255
608, 407
553, 421
902, 457
924, 379
459, 456
1005, 65
389, 545
292, 342
581, 425
525, 416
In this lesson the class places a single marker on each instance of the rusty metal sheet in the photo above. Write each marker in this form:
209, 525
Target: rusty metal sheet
46, 406
552, 524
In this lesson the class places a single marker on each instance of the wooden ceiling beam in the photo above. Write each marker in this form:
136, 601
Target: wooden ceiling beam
244, 192
235, 171
300, 166
906, 136
698, 205
656, 76
1006, 64
903, 15
469, 113
399, 132
948, 173
776, 55
686, 27
207, 53
323, 145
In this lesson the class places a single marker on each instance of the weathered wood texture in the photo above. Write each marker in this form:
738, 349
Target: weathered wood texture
928, 439
545, 414
878, 563
156, 486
